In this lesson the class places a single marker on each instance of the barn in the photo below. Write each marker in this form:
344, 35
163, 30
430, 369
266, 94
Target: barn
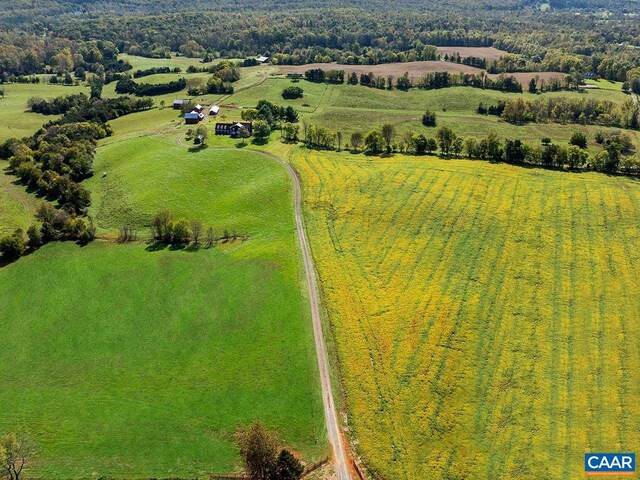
198, 108
214, 110
178, 103
192, 118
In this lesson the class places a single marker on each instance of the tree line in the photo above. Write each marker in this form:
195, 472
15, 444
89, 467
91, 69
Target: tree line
155, 70
167, 230
552, 41
585, 111
429, 81
617, 154
127, 85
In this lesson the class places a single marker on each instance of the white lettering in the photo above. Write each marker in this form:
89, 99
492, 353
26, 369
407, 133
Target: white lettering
592, 457
626, 462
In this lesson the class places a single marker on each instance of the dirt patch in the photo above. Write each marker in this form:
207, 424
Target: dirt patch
415, 69
488, 53
525, 77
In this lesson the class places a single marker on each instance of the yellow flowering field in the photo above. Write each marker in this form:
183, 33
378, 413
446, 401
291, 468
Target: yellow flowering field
486, 317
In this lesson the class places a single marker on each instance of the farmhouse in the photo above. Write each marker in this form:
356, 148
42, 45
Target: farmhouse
178, 103
262, 59
214, 110
232, 129
198, 108
193, 117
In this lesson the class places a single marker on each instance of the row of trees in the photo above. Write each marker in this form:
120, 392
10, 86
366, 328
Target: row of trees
213, 86
567, 110
429, 81
617, 154
126, 84
79, 108
180, 232
155, 70
55, 160
224, 70
221, 82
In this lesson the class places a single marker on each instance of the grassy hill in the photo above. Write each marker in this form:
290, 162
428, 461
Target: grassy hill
485, 316
133, 363
16, 120
349, 108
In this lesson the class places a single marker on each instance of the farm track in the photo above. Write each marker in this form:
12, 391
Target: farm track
340, 455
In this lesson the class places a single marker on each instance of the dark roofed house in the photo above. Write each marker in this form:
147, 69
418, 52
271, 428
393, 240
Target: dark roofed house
232, 129
177, 104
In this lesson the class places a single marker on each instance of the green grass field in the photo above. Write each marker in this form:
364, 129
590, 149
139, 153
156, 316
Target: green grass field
15, 119
17, 206
144, 63
355, 108
486, 317
142, 364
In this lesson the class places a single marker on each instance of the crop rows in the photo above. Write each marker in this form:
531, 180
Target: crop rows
486, 317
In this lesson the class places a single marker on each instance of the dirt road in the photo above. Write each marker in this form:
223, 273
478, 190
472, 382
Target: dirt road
330, 413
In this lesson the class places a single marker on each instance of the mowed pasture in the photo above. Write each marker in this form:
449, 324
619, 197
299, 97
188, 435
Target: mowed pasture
485, 316
144, 63
16, 120
17, 207
354, 108
128, 362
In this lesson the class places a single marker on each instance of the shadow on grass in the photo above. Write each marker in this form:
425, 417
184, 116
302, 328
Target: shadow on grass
7, 261
155, 246
198, 148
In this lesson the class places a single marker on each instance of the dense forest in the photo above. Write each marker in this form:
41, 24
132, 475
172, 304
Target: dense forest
590, 36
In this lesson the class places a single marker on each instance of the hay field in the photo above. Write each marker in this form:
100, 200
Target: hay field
486, 317
415, 69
